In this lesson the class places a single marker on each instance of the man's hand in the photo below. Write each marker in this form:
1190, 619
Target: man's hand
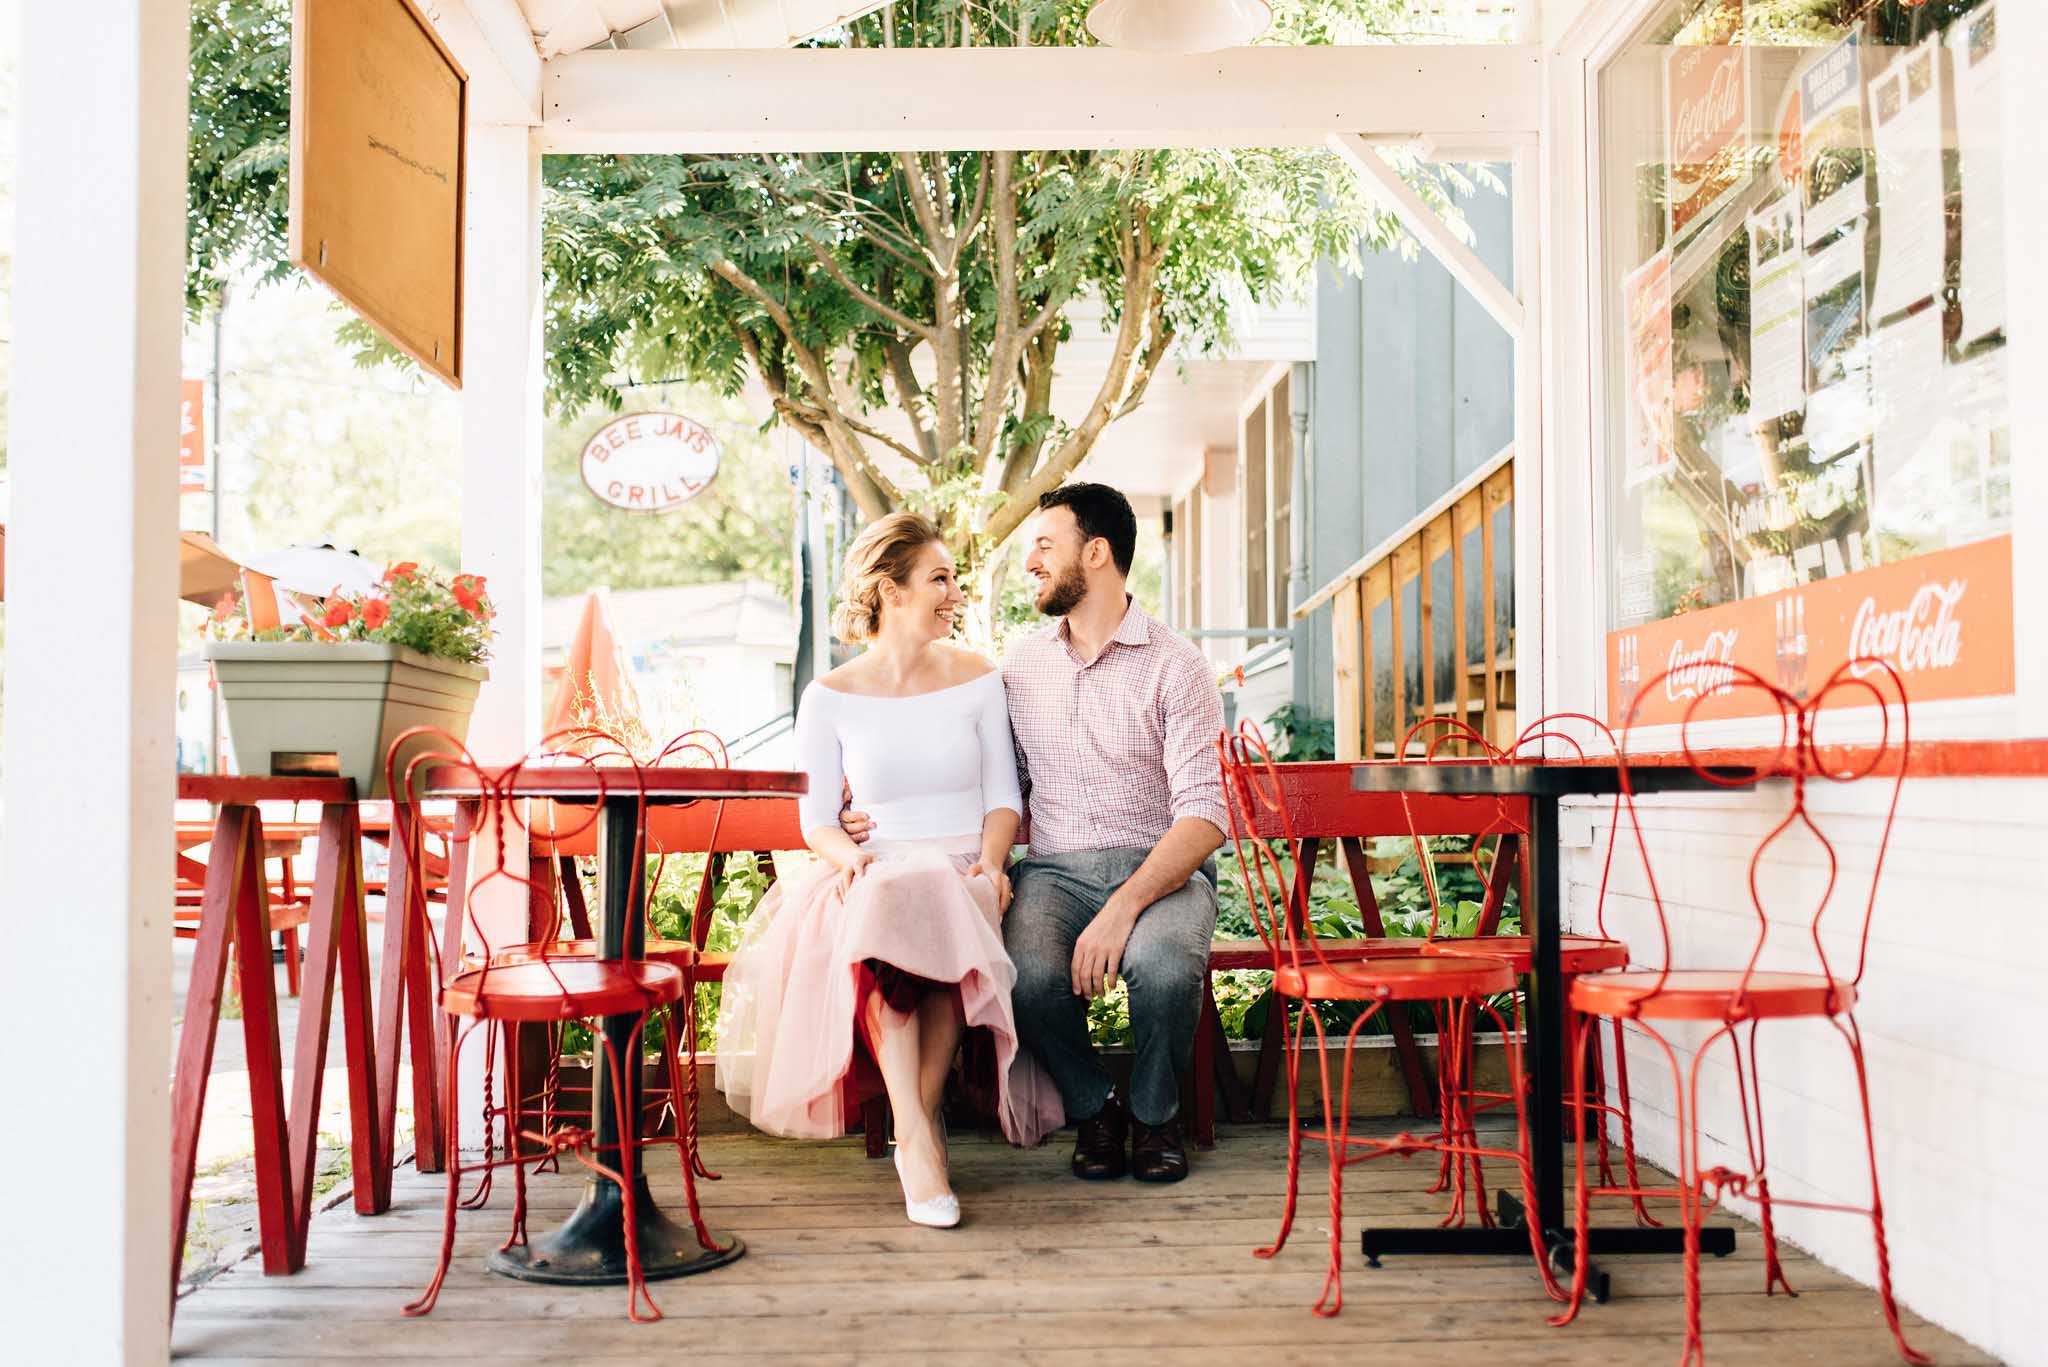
856, 825
1099, 952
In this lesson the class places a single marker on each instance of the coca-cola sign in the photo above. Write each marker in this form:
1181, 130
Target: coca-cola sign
1927, 633
1707, 112
1702, 671
1942, 620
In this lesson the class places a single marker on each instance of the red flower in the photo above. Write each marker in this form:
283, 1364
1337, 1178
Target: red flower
338, 613
376, 612
224, 608
469, 592
403, 570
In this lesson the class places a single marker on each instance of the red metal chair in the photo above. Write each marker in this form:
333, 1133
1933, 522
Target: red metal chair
556, 893
538, 988
1726, 1000
1578, 954
1465, 988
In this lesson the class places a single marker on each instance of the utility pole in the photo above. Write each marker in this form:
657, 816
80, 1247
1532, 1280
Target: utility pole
213, 710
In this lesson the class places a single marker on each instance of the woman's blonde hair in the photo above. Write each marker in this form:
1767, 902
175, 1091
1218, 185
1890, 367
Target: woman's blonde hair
887, 548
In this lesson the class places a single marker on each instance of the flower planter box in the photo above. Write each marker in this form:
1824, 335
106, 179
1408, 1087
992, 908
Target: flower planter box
334, 708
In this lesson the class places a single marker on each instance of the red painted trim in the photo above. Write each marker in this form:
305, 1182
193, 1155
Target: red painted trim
1930, 759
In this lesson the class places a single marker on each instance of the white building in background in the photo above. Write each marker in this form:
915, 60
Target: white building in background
720, 656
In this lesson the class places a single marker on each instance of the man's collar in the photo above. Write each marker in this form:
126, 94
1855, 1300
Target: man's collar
1134, 630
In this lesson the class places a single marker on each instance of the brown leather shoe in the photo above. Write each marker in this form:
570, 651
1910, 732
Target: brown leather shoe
1099, 1142
1157, 1154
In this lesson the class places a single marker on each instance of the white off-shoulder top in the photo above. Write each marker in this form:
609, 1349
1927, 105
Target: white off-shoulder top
924, 767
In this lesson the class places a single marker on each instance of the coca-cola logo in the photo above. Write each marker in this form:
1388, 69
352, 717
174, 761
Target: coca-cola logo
1702, 127
1924, 634
1699, 673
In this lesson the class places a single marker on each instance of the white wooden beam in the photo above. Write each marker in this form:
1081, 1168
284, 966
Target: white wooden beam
980, 98
92, 573
492, 42
1385, 185
501, 498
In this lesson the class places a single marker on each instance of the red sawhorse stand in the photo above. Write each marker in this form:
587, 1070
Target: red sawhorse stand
235, 913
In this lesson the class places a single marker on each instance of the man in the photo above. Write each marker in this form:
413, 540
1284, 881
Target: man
1116, 719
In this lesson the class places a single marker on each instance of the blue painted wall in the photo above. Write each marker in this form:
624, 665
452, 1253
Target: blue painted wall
1414, 389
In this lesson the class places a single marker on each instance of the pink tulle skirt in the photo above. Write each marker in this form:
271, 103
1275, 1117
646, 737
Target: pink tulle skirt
787, 1053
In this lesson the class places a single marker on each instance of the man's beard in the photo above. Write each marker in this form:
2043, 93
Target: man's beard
1063, 594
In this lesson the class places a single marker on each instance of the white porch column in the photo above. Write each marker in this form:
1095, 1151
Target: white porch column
92, 569
501, 404
501, 488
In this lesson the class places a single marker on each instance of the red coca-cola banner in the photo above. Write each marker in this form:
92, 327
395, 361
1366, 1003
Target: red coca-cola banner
1943, 620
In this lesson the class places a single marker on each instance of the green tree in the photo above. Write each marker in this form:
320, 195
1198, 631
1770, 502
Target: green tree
905, 313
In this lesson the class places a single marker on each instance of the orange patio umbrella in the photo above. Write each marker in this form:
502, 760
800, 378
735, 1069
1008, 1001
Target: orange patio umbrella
594, 677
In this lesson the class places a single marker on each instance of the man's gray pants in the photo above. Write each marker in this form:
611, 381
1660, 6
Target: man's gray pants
1165, 968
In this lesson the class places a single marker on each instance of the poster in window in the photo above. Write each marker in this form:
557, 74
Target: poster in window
1905, 109
1973, 48
1837, 361
1831, 102
1706, 91
1646, 297
1777, 310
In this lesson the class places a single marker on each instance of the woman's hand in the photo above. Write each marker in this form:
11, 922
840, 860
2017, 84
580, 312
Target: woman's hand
999, 879
850, 867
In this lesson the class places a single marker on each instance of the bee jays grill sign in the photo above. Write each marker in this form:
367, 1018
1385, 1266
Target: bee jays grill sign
650, 462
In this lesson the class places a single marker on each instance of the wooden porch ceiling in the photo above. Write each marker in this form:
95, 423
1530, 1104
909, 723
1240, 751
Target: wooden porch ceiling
1045, 1270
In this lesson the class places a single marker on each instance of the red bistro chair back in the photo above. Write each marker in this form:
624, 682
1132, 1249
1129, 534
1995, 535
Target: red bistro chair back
539, 986
1808, 980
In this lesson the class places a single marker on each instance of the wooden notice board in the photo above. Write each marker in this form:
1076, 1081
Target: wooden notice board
378, 116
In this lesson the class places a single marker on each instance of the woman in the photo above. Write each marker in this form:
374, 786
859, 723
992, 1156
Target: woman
888, 951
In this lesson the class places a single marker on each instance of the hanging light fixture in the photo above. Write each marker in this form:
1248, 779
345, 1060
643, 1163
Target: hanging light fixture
1178, 25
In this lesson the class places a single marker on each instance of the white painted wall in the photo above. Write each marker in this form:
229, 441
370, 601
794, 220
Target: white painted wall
1959, 954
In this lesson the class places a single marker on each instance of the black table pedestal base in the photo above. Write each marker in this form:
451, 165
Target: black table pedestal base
1511, 1237
590, 1247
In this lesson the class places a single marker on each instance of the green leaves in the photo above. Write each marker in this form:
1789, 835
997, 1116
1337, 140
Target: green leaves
845, 285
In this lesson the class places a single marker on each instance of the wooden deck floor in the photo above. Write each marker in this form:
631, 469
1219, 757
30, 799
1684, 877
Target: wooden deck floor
1043, 1270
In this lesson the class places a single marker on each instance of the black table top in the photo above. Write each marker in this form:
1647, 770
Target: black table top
1529, 779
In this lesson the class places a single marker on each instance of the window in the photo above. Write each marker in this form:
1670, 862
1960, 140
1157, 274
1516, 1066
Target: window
1807, 442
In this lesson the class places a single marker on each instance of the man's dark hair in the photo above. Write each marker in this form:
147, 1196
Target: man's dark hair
1099, 511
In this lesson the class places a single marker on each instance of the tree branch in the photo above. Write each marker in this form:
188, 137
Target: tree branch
910, 395
868, 301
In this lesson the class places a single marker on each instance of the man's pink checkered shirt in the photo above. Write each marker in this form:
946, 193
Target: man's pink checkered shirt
1114, 752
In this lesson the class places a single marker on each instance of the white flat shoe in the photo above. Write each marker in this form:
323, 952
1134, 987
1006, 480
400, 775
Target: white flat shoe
941, 1212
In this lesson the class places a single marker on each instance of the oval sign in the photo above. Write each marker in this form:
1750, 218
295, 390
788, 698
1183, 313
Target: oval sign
650, 462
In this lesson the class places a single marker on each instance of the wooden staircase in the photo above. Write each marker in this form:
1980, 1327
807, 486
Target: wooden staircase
1400, 572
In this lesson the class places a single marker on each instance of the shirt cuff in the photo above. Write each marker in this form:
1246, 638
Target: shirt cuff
1208, 809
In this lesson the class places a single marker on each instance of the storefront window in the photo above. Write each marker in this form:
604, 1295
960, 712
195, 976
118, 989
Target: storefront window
1807, 445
